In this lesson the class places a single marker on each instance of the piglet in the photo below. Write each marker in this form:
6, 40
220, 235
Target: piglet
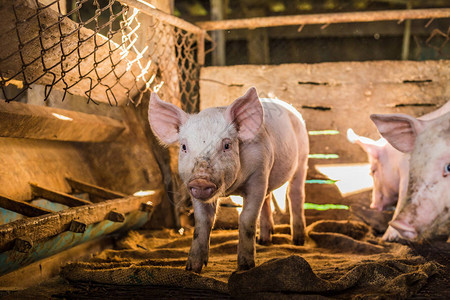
248, 148
425, 211
389, 169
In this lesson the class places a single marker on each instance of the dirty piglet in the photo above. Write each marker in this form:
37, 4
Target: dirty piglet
248, 148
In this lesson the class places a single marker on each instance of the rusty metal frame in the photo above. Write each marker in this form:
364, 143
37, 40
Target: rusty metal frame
41, 225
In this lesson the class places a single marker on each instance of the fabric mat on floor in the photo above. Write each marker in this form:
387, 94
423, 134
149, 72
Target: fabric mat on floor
340, 259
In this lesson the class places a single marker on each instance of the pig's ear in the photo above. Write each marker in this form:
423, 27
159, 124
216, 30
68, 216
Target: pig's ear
399, 130
370, 146
165, 119
247, 114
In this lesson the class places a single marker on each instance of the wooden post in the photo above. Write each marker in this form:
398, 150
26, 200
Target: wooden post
258, 42
218, 13
406, 35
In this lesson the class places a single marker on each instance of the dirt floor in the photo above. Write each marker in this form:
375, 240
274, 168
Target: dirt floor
341, 259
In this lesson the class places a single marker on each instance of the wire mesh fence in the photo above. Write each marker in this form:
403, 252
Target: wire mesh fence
100, 49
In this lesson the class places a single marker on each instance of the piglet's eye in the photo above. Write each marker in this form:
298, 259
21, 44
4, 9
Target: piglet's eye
446, 170
226, 145
183, 148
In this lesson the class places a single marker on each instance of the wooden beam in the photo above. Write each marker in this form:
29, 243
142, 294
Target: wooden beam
21, 120
43, 227
58, 197
384, 29
150, 10
22, 207
94, 190
111, 67
331, 18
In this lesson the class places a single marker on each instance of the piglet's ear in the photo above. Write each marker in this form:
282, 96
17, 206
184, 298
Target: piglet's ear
165, 119
399, 130
247, 114
370, 146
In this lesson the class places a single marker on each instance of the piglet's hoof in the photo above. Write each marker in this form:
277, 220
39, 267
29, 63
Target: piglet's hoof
264, 242
245, 265
298, 238
196, 265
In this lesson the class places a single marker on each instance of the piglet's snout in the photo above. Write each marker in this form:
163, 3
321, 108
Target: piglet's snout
202, 189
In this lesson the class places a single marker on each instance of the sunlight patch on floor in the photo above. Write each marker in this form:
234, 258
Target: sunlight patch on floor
350, 178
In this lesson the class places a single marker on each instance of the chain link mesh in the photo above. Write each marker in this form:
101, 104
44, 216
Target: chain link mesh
99, 49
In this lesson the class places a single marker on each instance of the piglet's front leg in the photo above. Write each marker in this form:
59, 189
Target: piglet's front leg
204, 214
247, 224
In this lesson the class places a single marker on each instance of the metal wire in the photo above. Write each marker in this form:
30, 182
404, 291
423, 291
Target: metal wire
103, 56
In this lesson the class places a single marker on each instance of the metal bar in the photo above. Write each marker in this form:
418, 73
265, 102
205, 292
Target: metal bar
58, 197
150, 10
350, 17
43, 227
22, 207
94, 190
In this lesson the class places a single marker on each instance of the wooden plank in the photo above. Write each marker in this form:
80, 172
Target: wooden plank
12, 17
94, 190
150, 10
330, 18
336, 96
43, 227
383, 28
22, 207
42, 162
58, 197
40, 122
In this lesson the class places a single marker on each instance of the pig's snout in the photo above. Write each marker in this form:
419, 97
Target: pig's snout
404, 228
202, 189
